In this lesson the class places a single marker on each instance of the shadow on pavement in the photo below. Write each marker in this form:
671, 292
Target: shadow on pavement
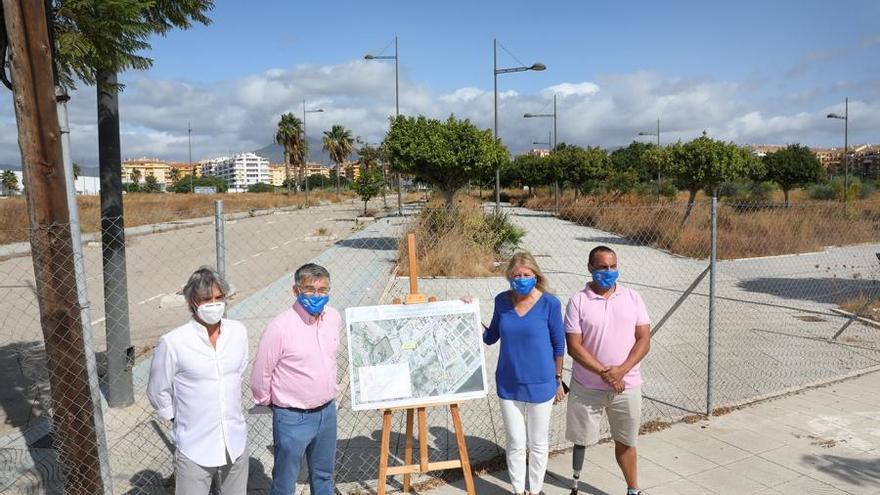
861, 472
372, 243
821, 290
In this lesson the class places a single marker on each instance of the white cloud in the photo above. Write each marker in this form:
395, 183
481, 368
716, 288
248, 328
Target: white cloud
240, 115
574, 89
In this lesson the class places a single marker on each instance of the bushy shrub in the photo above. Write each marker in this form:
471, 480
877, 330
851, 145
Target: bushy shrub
821, 192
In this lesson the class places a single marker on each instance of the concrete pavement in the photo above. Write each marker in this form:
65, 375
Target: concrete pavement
824, 440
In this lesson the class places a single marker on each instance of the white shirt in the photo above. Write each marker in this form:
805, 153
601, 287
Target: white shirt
199, 386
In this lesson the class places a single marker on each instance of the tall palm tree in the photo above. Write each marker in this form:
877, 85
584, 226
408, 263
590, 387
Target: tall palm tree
339, 143
289, 136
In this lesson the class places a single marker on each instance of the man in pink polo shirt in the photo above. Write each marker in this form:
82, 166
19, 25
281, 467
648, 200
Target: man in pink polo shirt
294, 373
608, 333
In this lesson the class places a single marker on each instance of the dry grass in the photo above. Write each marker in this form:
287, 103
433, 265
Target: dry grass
742, 231
457, 243
145, 209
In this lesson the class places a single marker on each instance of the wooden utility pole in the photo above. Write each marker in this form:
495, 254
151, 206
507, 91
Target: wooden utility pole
39, 137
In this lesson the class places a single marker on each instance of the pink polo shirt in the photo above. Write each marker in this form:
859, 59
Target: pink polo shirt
607, 328
295, 364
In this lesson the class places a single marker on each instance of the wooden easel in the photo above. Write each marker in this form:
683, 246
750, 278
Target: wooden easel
423, 466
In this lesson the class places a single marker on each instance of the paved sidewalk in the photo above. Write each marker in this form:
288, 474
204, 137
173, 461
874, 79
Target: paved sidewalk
824, 440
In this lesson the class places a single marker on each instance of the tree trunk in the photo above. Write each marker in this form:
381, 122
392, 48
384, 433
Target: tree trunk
690, 206
338, 172
785, 193
449, 197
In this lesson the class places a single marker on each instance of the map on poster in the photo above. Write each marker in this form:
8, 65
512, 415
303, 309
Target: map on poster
402, 355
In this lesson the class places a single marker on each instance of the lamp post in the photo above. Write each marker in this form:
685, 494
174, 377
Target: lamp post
396, 58
537, 66
658, 146
845, 118
305, 157
192, 170
552, 148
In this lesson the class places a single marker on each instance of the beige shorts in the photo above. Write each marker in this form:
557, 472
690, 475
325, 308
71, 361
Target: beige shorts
584, 414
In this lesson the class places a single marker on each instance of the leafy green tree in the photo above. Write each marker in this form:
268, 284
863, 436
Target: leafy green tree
96, 35
261, 187
9, 181
77, 171
586, 168
151, 184
289, 134
528, 171
793, 166
447, 154
183, 185
316, 181
135, 176
369, 184
705, 163
339, 144
632, 157
174, 174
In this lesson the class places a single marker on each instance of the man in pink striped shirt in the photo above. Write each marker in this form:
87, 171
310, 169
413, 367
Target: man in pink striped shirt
294, 373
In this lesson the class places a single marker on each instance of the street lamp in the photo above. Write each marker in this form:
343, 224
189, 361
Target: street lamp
845, 118
192, 170
537, 66
305, 144
396, 58
658, 146
552, 148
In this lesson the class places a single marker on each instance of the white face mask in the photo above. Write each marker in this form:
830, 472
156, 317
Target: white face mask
211, 313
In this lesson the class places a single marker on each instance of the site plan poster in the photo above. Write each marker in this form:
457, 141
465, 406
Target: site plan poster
404, 355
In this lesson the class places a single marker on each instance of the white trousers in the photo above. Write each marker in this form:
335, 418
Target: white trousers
527, 426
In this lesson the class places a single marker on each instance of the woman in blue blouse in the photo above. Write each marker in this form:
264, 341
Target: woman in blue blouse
528, 322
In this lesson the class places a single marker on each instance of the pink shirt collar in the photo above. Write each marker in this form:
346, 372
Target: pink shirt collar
307, 318
592, 294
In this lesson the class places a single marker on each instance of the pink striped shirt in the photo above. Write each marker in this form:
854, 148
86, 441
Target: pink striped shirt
295, 363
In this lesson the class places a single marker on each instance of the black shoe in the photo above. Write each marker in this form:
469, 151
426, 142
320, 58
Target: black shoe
574, 491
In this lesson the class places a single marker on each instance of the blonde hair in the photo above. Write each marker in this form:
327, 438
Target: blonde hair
526, 260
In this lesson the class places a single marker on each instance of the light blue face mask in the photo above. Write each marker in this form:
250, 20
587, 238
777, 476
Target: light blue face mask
523, 286
605, 279
313, 304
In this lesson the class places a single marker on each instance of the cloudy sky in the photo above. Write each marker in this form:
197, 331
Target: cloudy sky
747, 71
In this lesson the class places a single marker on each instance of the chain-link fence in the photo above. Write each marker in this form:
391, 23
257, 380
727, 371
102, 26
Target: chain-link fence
794, 295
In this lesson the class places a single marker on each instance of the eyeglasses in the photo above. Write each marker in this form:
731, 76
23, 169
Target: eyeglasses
310, 290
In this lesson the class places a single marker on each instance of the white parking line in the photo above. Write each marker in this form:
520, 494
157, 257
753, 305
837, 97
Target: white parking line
157, 296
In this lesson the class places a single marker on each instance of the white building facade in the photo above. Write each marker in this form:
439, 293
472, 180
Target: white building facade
239, 171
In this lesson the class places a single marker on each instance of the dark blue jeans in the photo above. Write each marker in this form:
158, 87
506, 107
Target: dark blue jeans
300, 434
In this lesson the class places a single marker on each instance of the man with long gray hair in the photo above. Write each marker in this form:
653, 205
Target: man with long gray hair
294, 373
195, 382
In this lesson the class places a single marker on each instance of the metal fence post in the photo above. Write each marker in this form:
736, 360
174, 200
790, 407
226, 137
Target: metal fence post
219, 240
713, 268
83, 294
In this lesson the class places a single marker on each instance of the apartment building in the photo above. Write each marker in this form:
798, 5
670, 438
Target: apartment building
138, 169
239, 171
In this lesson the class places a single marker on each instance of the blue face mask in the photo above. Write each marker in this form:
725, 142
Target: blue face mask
605, 279
523, 286
313, 304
